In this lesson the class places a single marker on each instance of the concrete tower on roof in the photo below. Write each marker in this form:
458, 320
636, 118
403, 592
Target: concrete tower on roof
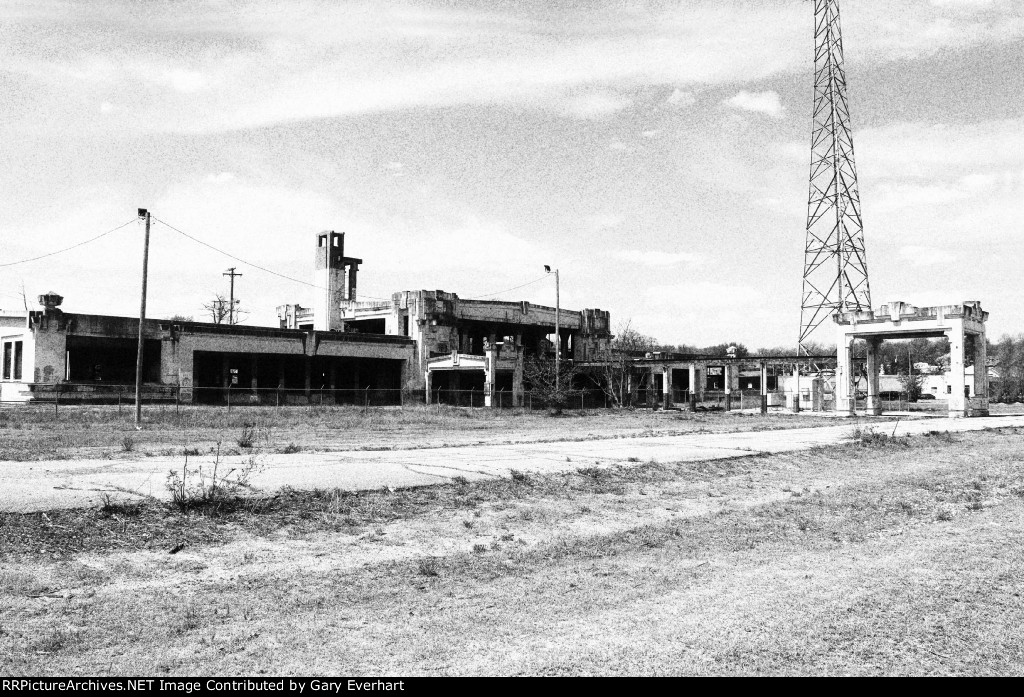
335, 278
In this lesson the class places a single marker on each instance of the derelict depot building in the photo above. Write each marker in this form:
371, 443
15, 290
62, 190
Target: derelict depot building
435, 344
335, 349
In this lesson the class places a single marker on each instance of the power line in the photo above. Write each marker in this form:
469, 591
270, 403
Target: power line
249, 263
313, 285
491, 295
68, 249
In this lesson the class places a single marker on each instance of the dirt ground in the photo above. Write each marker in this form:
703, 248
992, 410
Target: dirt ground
885, 556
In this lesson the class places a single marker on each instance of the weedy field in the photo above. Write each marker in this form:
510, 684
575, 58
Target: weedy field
35, 432
883, 556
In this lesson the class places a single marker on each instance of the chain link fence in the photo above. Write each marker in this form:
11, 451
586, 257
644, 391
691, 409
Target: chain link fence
172, 397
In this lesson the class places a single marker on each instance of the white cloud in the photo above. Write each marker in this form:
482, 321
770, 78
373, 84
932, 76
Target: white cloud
759, 102
679, 98
926, 256
220, 178
595, 105
695, 298
657, 258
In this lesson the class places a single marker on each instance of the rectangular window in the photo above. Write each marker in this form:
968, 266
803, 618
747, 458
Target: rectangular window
17, 360
8, 349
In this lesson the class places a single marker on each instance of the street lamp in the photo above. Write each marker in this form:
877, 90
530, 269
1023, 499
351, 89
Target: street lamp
558, 337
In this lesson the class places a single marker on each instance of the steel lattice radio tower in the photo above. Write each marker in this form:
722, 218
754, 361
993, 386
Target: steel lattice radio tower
835, 265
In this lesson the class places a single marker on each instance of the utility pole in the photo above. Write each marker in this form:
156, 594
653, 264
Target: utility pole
558, 333
143, 213
231, 308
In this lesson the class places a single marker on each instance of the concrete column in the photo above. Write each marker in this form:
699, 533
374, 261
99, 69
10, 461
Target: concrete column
455, 385
795, 406
817, 390
517, 374
874, 399
650, 387
727, 377
845, 390
764, 387
958, 403
490, 375
979, 406
693, 388
426, 383
669, 402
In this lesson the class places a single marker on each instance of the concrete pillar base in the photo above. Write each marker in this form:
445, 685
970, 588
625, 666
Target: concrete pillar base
728, 401
874, 405
764, 404
693, 403
847, 405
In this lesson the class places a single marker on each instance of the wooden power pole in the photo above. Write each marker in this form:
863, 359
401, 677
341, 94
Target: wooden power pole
231, 308
143, 213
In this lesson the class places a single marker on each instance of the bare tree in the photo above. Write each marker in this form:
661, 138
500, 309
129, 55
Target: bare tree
219, 310
627, 345
553, 393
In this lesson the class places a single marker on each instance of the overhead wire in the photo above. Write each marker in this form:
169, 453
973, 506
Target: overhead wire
249, 263
236, 258
491, 295
68, 249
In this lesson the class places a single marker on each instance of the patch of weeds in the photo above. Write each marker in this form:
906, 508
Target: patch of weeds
942, 436
468, 524
112, 507
290, 449
127, 444
592, 472
519, 476
632, 459
459, 480
428, 566
247, 438
195, 489
191, 451
189, 620
479, 548
57, 640
944, 514
507, 537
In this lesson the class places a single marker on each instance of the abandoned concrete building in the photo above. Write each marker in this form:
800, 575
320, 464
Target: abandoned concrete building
340, 346
434, 345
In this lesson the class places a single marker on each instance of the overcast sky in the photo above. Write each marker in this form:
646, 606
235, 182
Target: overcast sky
657, 153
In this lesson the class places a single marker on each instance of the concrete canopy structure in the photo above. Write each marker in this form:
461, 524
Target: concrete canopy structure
962, 324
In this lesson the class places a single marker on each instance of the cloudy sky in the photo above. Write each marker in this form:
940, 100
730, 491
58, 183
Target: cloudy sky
657, 153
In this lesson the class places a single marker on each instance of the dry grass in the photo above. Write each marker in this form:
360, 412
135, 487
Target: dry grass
877, 557
33, 433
